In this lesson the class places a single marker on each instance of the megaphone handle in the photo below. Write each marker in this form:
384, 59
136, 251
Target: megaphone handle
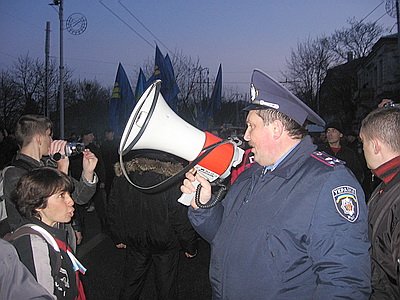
186, 199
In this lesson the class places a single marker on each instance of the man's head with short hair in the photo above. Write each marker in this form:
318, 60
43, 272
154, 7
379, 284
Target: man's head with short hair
380, 136
109, 134
383, 124
87, 136
30, 125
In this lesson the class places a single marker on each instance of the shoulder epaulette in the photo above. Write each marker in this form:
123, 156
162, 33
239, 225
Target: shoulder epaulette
327, 159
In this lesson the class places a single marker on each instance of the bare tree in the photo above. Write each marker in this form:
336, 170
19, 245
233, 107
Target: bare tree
86, 106
358, 39
10, 100
53, 85
28, 75
307, 68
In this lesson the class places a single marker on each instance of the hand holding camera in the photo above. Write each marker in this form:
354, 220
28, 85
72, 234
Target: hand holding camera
60, 151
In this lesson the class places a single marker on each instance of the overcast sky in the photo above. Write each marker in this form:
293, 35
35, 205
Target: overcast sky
240, 34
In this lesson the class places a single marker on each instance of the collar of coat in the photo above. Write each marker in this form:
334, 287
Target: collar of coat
142, 164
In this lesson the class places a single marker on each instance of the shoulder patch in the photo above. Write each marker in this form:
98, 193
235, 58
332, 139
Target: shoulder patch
346, 202
327, 159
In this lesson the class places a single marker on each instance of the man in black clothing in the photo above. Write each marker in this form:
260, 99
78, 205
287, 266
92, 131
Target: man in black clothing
380, 136
109, 152
153, 227
334, 134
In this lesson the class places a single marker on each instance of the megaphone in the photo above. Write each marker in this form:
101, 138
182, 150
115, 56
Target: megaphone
154, 125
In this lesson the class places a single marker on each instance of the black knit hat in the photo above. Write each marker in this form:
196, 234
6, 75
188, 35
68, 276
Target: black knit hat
335, 124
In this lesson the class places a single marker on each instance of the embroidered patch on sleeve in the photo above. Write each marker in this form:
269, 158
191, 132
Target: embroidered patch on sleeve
346, 202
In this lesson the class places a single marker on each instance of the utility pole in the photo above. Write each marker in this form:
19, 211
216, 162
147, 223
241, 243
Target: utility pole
60, 4
46, 82
61, 16
398, 24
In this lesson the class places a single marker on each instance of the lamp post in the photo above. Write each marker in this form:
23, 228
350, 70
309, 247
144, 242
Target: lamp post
398, 23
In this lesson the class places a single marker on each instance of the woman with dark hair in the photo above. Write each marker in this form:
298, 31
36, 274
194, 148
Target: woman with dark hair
43, 197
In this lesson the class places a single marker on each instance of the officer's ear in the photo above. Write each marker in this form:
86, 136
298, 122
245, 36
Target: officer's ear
277, 128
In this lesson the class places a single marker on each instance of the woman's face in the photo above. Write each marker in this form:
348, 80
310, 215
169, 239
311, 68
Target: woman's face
59, 209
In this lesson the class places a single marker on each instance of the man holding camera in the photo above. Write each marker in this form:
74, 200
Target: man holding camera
37, 148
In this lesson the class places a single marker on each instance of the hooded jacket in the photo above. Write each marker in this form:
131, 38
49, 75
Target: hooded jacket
149, 222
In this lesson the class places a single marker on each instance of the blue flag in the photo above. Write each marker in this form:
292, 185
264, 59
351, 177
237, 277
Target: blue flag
158, 66
121, 103
172, 87
140, 85
207, 109
164, 71
216, 96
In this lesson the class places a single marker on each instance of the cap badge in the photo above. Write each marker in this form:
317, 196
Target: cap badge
253, 92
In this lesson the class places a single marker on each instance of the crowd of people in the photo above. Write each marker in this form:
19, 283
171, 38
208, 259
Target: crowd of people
301, 218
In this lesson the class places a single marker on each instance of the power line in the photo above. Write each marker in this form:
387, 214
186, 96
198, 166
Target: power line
22, 20
391, 29
380, 17
372, 12
4, 53
144, 26
119, 18
152, 34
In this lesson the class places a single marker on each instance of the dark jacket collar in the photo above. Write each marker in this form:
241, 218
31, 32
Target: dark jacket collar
28, 159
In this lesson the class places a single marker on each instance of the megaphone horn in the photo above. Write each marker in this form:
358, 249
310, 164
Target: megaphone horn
154, 125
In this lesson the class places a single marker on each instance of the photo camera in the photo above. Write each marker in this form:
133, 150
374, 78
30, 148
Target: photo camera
392, 104
71, 149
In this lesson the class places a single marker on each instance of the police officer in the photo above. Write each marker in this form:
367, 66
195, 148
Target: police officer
294, 224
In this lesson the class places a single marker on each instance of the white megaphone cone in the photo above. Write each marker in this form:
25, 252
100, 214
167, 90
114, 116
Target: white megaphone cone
154, 125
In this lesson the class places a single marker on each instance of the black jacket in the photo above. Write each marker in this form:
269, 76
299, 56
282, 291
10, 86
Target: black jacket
349, 157
150, 223
384, 231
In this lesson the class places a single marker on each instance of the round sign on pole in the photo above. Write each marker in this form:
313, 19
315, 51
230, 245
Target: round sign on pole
390, 7
76, 24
